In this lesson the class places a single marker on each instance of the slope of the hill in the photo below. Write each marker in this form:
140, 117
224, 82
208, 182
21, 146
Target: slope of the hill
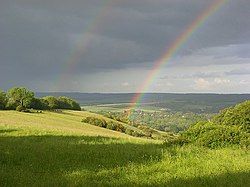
56, 149
66, 122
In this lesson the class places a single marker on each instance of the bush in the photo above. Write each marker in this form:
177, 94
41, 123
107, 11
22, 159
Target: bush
133, 133
238, 115
111, 125
148, 132
95, 121
129, 132
213, 135
230, 127
39, 104
137, 134
22, 109
173, 141
120, 128
67, 103
52, 102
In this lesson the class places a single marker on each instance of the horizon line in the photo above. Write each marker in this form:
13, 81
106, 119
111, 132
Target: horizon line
216, 93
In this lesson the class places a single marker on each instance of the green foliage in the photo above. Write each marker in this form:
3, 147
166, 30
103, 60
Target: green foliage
238, 115
229, 127
129, 132
175, 141
52, 101
95, 121
120, 128
3, 100
20, 108
147, 130
39, 104
133, 133
137, 134
67, 103
19, 97
112, 126
61, 103
213, 135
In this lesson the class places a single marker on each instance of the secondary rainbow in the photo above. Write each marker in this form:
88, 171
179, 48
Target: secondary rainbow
174, 47
84, 40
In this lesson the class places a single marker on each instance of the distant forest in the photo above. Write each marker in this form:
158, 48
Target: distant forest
198, 103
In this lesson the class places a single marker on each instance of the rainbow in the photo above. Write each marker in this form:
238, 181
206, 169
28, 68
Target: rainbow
173, 49
83, 42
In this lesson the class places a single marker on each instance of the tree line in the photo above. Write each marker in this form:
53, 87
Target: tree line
21, 99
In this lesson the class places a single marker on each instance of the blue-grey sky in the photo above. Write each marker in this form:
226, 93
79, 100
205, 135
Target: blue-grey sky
117, 43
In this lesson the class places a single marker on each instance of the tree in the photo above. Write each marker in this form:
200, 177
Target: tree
39, 104
67, 103
64, 102
20, 97
75, 105
3, 100
52, 101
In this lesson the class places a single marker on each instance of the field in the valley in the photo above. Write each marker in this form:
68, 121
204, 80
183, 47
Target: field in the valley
57, 149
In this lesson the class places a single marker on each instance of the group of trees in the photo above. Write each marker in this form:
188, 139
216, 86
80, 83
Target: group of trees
21, 99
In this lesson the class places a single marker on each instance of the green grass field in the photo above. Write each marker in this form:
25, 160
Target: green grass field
56, 149
119, 107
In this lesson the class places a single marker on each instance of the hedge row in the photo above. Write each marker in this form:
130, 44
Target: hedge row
112, 125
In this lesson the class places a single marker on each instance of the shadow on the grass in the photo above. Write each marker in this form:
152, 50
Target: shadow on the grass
49, 158
46, 160
7, 130
72, 152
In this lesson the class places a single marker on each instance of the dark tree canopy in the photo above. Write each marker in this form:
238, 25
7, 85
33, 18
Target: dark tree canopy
67, 103
19, 97
52, 101
61, 103
3, 100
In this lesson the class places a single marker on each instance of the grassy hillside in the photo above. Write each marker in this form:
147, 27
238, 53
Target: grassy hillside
66, 123
55, 149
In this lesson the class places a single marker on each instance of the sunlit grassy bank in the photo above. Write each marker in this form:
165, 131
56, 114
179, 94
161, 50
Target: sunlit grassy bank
52, 149
66, 123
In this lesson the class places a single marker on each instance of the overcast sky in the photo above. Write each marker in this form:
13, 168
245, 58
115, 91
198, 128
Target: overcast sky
111, 45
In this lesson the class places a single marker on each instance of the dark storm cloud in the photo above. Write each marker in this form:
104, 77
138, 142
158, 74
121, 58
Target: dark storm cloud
37, 37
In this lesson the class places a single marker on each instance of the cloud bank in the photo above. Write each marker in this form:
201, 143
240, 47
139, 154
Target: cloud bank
40, 39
